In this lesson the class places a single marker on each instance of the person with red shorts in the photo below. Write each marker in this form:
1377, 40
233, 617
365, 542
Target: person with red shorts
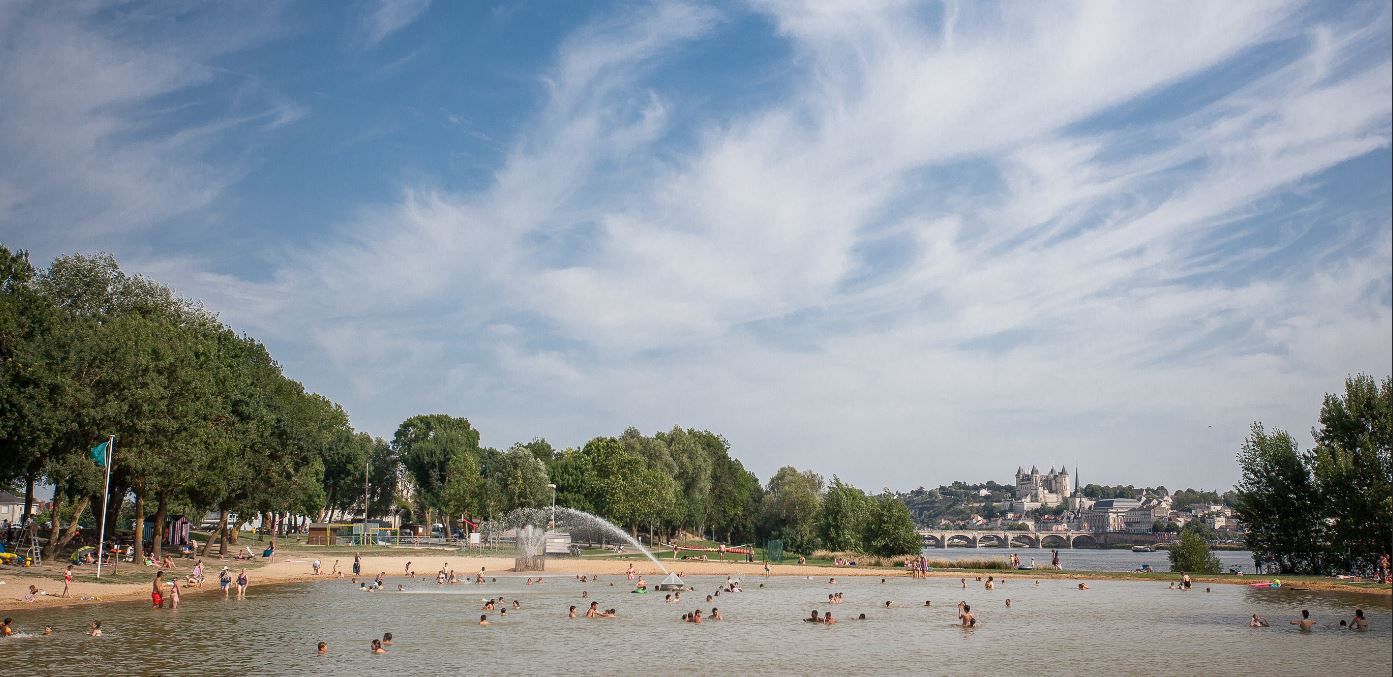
157, 592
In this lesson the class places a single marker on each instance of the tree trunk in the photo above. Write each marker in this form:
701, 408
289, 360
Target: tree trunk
139, 521
52, 549
28, 498
157, 536
72, 528
219, 531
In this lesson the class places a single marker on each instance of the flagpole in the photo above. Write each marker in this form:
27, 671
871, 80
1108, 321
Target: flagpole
106, 489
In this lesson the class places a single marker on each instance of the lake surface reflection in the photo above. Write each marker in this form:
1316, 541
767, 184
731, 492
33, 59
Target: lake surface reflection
1117, 627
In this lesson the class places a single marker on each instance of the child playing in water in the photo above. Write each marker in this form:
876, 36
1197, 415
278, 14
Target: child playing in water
94, 630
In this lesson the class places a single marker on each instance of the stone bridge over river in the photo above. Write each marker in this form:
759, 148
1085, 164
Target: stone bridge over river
943, 538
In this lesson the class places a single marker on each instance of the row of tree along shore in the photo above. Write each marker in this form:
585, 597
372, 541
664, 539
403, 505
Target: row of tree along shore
205, 420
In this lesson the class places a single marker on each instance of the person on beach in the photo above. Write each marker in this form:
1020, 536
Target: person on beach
196, 577
322, 649
335, 570
377, 647
242, 584
965, 615
67, 580
174, 593
1054, 560
156, 591
406, 571
314, 568
1306, 622
93, 630
357, 564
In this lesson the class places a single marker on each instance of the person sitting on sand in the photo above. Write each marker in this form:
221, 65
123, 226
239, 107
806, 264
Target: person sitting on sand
965, 615
377, 647
94, 630
322, 649
812, 618
1306, 622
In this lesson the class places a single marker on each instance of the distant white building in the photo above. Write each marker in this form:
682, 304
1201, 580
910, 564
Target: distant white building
1034, 490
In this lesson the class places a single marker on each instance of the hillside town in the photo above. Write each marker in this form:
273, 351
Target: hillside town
1056, 501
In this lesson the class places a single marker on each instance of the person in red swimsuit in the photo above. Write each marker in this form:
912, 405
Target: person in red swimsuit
156, 592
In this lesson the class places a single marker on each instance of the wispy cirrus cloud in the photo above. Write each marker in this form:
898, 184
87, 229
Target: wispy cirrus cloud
382, 18
953, 239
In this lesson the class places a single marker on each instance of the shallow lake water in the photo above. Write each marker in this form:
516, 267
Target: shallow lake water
1089, 559
1116, 627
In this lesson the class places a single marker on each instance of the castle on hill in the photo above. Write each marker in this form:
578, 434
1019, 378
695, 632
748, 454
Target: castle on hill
1034, 490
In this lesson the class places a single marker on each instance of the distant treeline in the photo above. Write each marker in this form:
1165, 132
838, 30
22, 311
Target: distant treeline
205, 421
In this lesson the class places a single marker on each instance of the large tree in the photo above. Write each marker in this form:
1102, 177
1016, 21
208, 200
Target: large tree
1278, 503
1352, 464
792, 502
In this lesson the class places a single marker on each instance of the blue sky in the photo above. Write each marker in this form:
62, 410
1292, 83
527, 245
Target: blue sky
903, 243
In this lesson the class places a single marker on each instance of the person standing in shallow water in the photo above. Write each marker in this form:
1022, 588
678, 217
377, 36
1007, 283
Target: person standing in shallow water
156, 592
357, 564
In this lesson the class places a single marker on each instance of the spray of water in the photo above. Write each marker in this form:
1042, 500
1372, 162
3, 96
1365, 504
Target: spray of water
575, 521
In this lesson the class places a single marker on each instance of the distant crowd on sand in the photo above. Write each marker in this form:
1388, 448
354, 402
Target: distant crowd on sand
165, 594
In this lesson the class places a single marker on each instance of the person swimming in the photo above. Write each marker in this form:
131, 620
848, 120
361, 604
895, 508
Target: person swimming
812, 618
386, 639
928, 603
1306, 622
484, 619
593, 611
322, 649
95, 629
377, 647
1008, 602
573, 611
965, 615
716, 614
827, 618
1083, 586
1257, 622
695, 617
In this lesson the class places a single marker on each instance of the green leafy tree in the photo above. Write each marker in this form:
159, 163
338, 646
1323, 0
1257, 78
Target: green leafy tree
889, 530
425, 444
844, 518
1352, 465
790, 508
460, 493
1278, 503
1192, 554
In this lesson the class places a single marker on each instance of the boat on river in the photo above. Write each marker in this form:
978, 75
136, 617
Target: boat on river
1143, 548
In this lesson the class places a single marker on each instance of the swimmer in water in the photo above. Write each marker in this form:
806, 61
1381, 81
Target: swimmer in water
322, 649
887, 604
965, 615
48, 629
862, 617
484, 619
593, 611
1257, 622
827, 618
95, 629
573, 611
1306, 622
1083, 586
928, 603
716, 614
377, 647
695, 617
386, 639
1359, 623
1008, 602
812, 618
964, 584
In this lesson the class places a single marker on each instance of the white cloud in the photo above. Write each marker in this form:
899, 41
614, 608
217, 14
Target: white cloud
385, 17
1090, 300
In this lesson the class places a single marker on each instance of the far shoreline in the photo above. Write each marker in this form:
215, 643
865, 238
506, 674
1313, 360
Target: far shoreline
294, 567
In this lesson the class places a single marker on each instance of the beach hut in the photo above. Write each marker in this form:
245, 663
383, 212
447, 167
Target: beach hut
321, 534
176, 529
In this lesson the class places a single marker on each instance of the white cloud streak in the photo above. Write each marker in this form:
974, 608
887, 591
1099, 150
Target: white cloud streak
382, 18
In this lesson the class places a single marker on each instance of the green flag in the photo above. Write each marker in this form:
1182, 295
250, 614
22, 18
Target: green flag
99, 453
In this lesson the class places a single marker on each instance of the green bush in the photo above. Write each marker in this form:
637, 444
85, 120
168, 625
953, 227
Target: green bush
1192, 554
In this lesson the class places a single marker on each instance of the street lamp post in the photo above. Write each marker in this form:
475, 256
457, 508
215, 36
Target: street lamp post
553, 505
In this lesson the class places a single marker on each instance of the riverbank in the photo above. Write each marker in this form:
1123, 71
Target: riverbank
132, 582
